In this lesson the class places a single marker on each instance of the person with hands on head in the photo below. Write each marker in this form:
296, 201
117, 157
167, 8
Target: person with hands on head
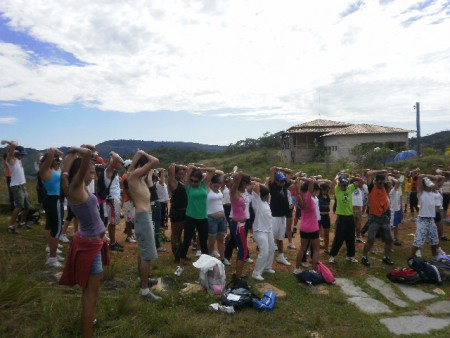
217, 223
395, 204
89, 249
196, 211
54, 209
345, 222
178, 205
237, 222
14, 156
139, 179
379, 216
309, 227
426, 227
279, 205
113, 203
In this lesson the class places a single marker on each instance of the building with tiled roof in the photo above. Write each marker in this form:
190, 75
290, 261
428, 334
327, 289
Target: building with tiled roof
302, 141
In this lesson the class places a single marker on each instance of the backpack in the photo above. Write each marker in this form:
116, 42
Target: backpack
237, 298
442, 262
404, 276
310, 277
427, 271
267, 302
325, 272
102, 189
212, 274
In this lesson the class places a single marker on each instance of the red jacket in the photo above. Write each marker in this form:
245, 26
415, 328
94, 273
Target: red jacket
79, 262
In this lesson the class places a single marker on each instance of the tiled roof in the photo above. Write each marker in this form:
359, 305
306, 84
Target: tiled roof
319, 123
296, 130
366, 129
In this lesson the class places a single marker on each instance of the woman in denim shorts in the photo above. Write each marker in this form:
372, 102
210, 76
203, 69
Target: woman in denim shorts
217, 223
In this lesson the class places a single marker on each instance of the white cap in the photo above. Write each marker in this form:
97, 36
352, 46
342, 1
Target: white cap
428, 182
127, 163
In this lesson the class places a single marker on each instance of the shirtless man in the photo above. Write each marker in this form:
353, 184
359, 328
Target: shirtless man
138, 187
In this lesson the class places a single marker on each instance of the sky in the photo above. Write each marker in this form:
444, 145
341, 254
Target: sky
215, 72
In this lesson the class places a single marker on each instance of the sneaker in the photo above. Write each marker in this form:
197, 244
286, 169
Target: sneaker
130, 239
373, 251
58, 257
297, 271
419, 253
365, 261
305, 264
360, 240
116, 247
198, 253
150, 297
257, 276
272, 271
47, 250
291, 246
161, 249
444, 238
26, 225
60, 246
63, 238
440, 251
12, 230
226, 262
283, 260
215, 254
387, 260
249, 260
397, 242
352, 259
331, 259
179, 271
53, 263
107, 238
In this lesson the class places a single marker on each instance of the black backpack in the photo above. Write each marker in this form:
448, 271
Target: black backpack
102, 189
428, 272
237, 298
310, 277
404, 276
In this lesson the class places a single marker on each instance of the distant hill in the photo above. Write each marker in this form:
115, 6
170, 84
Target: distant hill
439, 140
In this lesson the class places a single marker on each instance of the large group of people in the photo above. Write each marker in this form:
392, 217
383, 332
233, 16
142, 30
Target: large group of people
217, 211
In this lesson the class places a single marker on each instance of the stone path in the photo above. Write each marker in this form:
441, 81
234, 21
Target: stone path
421, 322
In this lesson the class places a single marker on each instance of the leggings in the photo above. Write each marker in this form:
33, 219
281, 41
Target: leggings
413, 202
190, 224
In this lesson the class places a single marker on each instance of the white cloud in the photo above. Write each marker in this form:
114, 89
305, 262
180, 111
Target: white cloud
7, 120
240, 57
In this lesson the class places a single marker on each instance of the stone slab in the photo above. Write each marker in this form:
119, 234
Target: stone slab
414, 293
361, 299
386, 290
261, 288
414, 324
439, 307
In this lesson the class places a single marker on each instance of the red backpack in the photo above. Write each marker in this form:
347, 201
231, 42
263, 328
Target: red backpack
325, 272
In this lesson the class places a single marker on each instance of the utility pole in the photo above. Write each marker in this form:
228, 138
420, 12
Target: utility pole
417, 107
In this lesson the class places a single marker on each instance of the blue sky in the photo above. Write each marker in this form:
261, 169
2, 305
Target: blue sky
216, 72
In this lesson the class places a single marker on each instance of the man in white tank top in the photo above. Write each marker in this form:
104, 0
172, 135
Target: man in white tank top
14, 155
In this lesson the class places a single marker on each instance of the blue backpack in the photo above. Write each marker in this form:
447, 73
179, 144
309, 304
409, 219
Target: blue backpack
267, 302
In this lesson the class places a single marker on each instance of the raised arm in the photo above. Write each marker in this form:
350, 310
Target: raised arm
45, 166
10, 150
210, 172
114, 160
78, 179
145, 169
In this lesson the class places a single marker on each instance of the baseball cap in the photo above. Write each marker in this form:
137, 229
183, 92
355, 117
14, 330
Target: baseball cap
20, 151
100, 160
279, 176
428, 182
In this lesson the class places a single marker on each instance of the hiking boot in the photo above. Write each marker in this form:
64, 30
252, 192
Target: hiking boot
283, 260
387, 260
12, 230
116, 247
179, 271
352, 259
150, 297
331, 259
63, 238
397, 242
365, 261
291, 246
257, 276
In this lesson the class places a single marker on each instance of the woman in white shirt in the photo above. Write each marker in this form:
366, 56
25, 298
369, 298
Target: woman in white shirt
217, 223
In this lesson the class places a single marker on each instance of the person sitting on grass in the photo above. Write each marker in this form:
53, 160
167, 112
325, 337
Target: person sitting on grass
139, 178
379, 216
89, 249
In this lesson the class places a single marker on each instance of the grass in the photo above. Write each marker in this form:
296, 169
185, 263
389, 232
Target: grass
32, 304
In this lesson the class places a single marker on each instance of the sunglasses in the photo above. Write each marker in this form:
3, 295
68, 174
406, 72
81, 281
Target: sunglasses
194, 181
